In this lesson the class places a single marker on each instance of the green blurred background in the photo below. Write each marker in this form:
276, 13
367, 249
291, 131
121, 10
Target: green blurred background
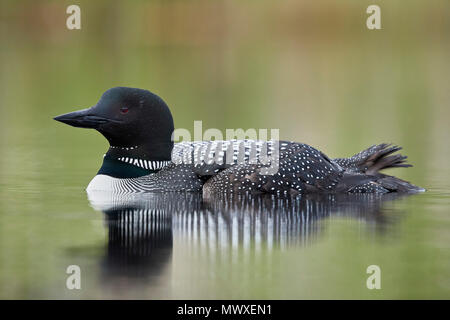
311, 69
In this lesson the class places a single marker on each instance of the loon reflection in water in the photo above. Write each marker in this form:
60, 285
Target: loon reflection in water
142, 228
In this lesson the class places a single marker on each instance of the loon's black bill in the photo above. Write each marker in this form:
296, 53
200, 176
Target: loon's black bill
82, 119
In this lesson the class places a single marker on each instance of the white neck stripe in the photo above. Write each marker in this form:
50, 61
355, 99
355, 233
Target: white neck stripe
124, 148
145, 164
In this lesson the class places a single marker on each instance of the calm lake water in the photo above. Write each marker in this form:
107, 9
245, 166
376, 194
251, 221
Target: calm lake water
314, 71
182, 246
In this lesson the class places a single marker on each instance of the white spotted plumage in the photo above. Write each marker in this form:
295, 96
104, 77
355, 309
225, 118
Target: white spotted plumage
235, 166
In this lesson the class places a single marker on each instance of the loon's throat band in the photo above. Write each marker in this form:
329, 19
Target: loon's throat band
119, 169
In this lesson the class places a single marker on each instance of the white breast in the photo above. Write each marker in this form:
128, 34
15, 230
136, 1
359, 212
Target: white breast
102, 182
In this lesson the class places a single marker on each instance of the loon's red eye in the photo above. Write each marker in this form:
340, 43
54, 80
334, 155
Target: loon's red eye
124, 110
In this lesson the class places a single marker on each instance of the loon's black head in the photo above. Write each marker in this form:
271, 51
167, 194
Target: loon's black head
137, 123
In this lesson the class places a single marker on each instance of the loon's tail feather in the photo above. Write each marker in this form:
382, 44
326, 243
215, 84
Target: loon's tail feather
375, 158
380, 183
382, 158
362, 171
394, 184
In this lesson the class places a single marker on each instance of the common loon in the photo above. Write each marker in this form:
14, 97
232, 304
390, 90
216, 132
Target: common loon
143, 158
